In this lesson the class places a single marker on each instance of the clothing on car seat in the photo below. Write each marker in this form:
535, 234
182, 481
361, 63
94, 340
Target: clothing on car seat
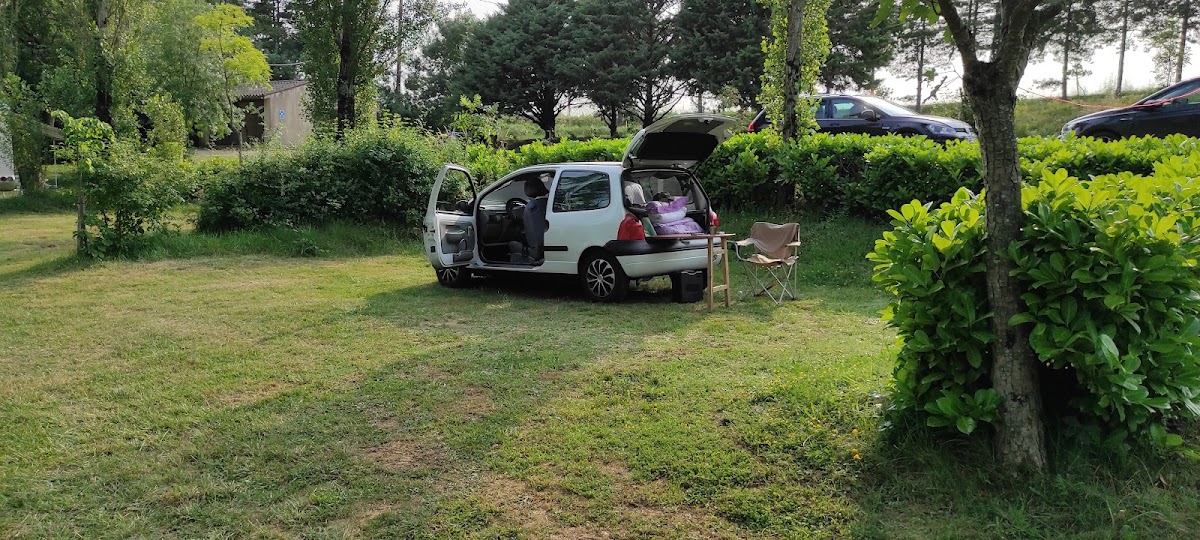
535, 226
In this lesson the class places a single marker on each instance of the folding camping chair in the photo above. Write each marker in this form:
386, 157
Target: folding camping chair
770, 253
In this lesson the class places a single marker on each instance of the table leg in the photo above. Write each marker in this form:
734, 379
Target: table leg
725, 264
710, 275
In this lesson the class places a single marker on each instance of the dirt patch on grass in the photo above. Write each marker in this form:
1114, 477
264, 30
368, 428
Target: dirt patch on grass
408, 455
254, 394
475, 403
556, 515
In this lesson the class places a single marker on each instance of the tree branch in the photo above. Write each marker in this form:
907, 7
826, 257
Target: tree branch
964, 39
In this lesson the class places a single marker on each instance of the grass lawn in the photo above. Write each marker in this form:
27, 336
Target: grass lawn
225, 387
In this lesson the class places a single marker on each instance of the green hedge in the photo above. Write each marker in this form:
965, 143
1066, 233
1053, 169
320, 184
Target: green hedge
488, 164
374, 175
1109, 266
866, 176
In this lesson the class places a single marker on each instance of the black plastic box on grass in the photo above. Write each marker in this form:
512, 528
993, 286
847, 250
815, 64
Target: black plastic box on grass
688, 286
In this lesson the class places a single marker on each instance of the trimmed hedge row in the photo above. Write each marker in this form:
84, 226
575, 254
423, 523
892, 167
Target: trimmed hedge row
385, 173
376, 174
867, 175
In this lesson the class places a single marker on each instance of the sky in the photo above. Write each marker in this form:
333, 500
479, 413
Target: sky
1139, 69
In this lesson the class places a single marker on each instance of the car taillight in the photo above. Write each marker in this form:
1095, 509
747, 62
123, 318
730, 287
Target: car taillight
750, 127
713, 220
631, 229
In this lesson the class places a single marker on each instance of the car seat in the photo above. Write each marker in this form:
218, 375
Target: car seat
534, 219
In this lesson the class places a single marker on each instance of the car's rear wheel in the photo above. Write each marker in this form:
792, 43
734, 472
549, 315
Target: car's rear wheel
1104, 135
455, 277
602, 278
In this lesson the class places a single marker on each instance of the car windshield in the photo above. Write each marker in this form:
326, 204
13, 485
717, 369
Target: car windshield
885, 107
1171, 92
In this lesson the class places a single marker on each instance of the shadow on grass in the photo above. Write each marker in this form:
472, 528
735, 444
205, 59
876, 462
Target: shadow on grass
49, 268
920, 484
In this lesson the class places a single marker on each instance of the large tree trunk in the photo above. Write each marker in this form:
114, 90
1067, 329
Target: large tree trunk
1020, 440
1122, 47
399, 46
791, 68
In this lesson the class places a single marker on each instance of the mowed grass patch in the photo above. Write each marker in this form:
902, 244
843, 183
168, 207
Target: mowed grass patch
230, 386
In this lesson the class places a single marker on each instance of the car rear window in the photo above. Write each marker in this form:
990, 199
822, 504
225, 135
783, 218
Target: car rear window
666, 185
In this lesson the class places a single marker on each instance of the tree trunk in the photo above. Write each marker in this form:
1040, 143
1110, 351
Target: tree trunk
103, 78
1020, 440
1181, 56
791, 68
1123, 46
396, 87
80, 222
612, 119
1066, 50
345, 80
920, 66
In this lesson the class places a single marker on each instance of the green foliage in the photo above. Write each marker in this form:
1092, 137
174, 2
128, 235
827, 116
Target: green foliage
865, 175
814, 49
240, 63
375, 175
20, 128
167, 134
1110, 265
488, 164
862, 48
933, 263
129, 193
517, 60
1110, 269
719, 46
479, 122
743, 171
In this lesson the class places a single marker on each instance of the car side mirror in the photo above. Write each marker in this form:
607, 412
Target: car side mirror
869, 115
714, 204
463, 207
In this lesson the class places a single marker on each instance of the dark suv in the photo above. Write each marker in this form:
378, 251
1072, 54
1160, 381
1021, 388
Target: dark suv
873, 116
1174, 109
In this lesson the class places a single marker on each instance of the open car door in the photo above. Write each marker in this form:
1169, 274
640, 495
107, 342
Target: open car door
449, 226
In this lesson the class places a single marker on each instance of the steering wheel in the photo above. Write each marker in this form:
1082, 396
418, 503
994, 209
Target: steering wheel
511, 207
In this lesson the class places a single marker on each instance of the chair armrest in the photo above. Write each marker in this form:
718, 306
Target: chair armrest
794, 244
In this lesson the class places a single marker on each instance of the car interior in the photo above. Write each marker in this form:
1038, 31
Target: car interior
663, 185
512, 220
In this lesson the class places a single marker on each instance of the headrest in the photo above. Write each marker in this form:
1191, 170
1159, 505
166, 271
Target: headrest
535, 188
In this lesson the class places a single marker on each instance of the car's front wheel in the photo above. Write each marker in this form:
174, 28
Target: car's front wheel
454, 277
602, 278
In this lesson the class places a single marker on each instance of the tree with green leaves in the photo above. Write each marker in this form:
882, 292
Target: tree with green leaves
347, 46
1077, 32
992, 70
240, 63
523, 59
433, 81
1167, 29
87, 141
795, 50
624, 47
857, 49
275, 35
718, 46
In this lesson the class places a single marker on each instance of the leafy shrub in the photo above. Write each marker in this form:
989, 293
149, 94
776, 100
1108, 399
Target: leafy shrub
376, 174
202, 174
824, 166
902, 169
1110, 269
129, 193
743, 172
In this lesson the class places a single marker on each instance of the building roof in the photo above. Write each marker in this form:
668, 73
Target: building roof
258, 91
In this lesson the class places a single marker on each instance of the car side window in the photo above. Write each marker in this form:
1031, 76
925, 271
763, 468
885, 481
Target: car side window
513, 189
582, 190
822, 112
844, 109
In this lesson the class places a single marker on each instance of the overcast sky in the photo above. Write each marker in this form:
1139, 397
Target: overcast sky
1139, 68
